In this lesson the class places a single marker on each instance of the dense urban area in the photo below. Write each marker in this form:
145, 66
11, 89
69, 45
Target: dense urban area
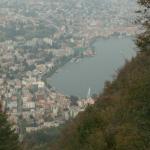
40, 36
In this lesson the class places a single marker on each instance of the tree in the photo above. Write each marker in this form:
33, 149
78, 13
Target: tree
74, 99
8, 138
143, 40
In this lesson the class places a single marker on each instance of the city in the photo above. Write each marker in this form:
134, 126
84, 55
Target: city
37, 38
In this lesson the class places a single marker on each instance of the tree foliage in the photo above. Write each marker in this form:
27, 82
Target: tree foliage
143, 40
8, 138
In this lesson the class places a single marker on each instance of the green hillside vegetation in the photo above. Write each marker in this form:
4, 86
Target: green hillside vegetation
42, 139
8, 139
120, 120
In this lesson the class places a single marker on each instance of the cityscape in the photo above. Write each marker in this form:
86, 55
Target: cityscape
39, 37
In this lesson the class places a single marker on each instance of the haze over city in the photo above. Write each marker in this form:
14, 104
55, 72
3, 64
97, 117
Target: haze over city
58, 56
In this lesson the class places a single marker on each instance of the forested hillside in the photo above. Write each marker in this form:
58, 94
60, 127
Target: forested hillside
8, 138
120, 120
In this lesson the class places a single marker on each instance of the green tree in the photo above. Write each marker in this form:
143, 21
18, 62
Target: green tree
8, 138
143, 40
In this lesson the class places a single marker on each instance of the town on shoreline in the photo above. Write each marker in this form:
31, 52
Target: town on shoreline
36, 39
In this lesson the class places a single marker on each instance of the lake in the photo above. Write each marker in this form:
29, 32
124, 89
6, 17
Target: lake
77, 78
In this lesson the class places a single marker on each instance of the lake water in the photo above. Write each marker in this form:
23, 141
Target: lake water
77, 78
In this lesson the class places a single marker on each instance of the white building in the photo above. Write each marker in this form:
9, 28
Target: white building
29, 105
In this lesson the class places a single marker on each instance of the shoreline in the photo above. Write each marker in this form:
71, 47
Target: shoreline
91, 42
91, 46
